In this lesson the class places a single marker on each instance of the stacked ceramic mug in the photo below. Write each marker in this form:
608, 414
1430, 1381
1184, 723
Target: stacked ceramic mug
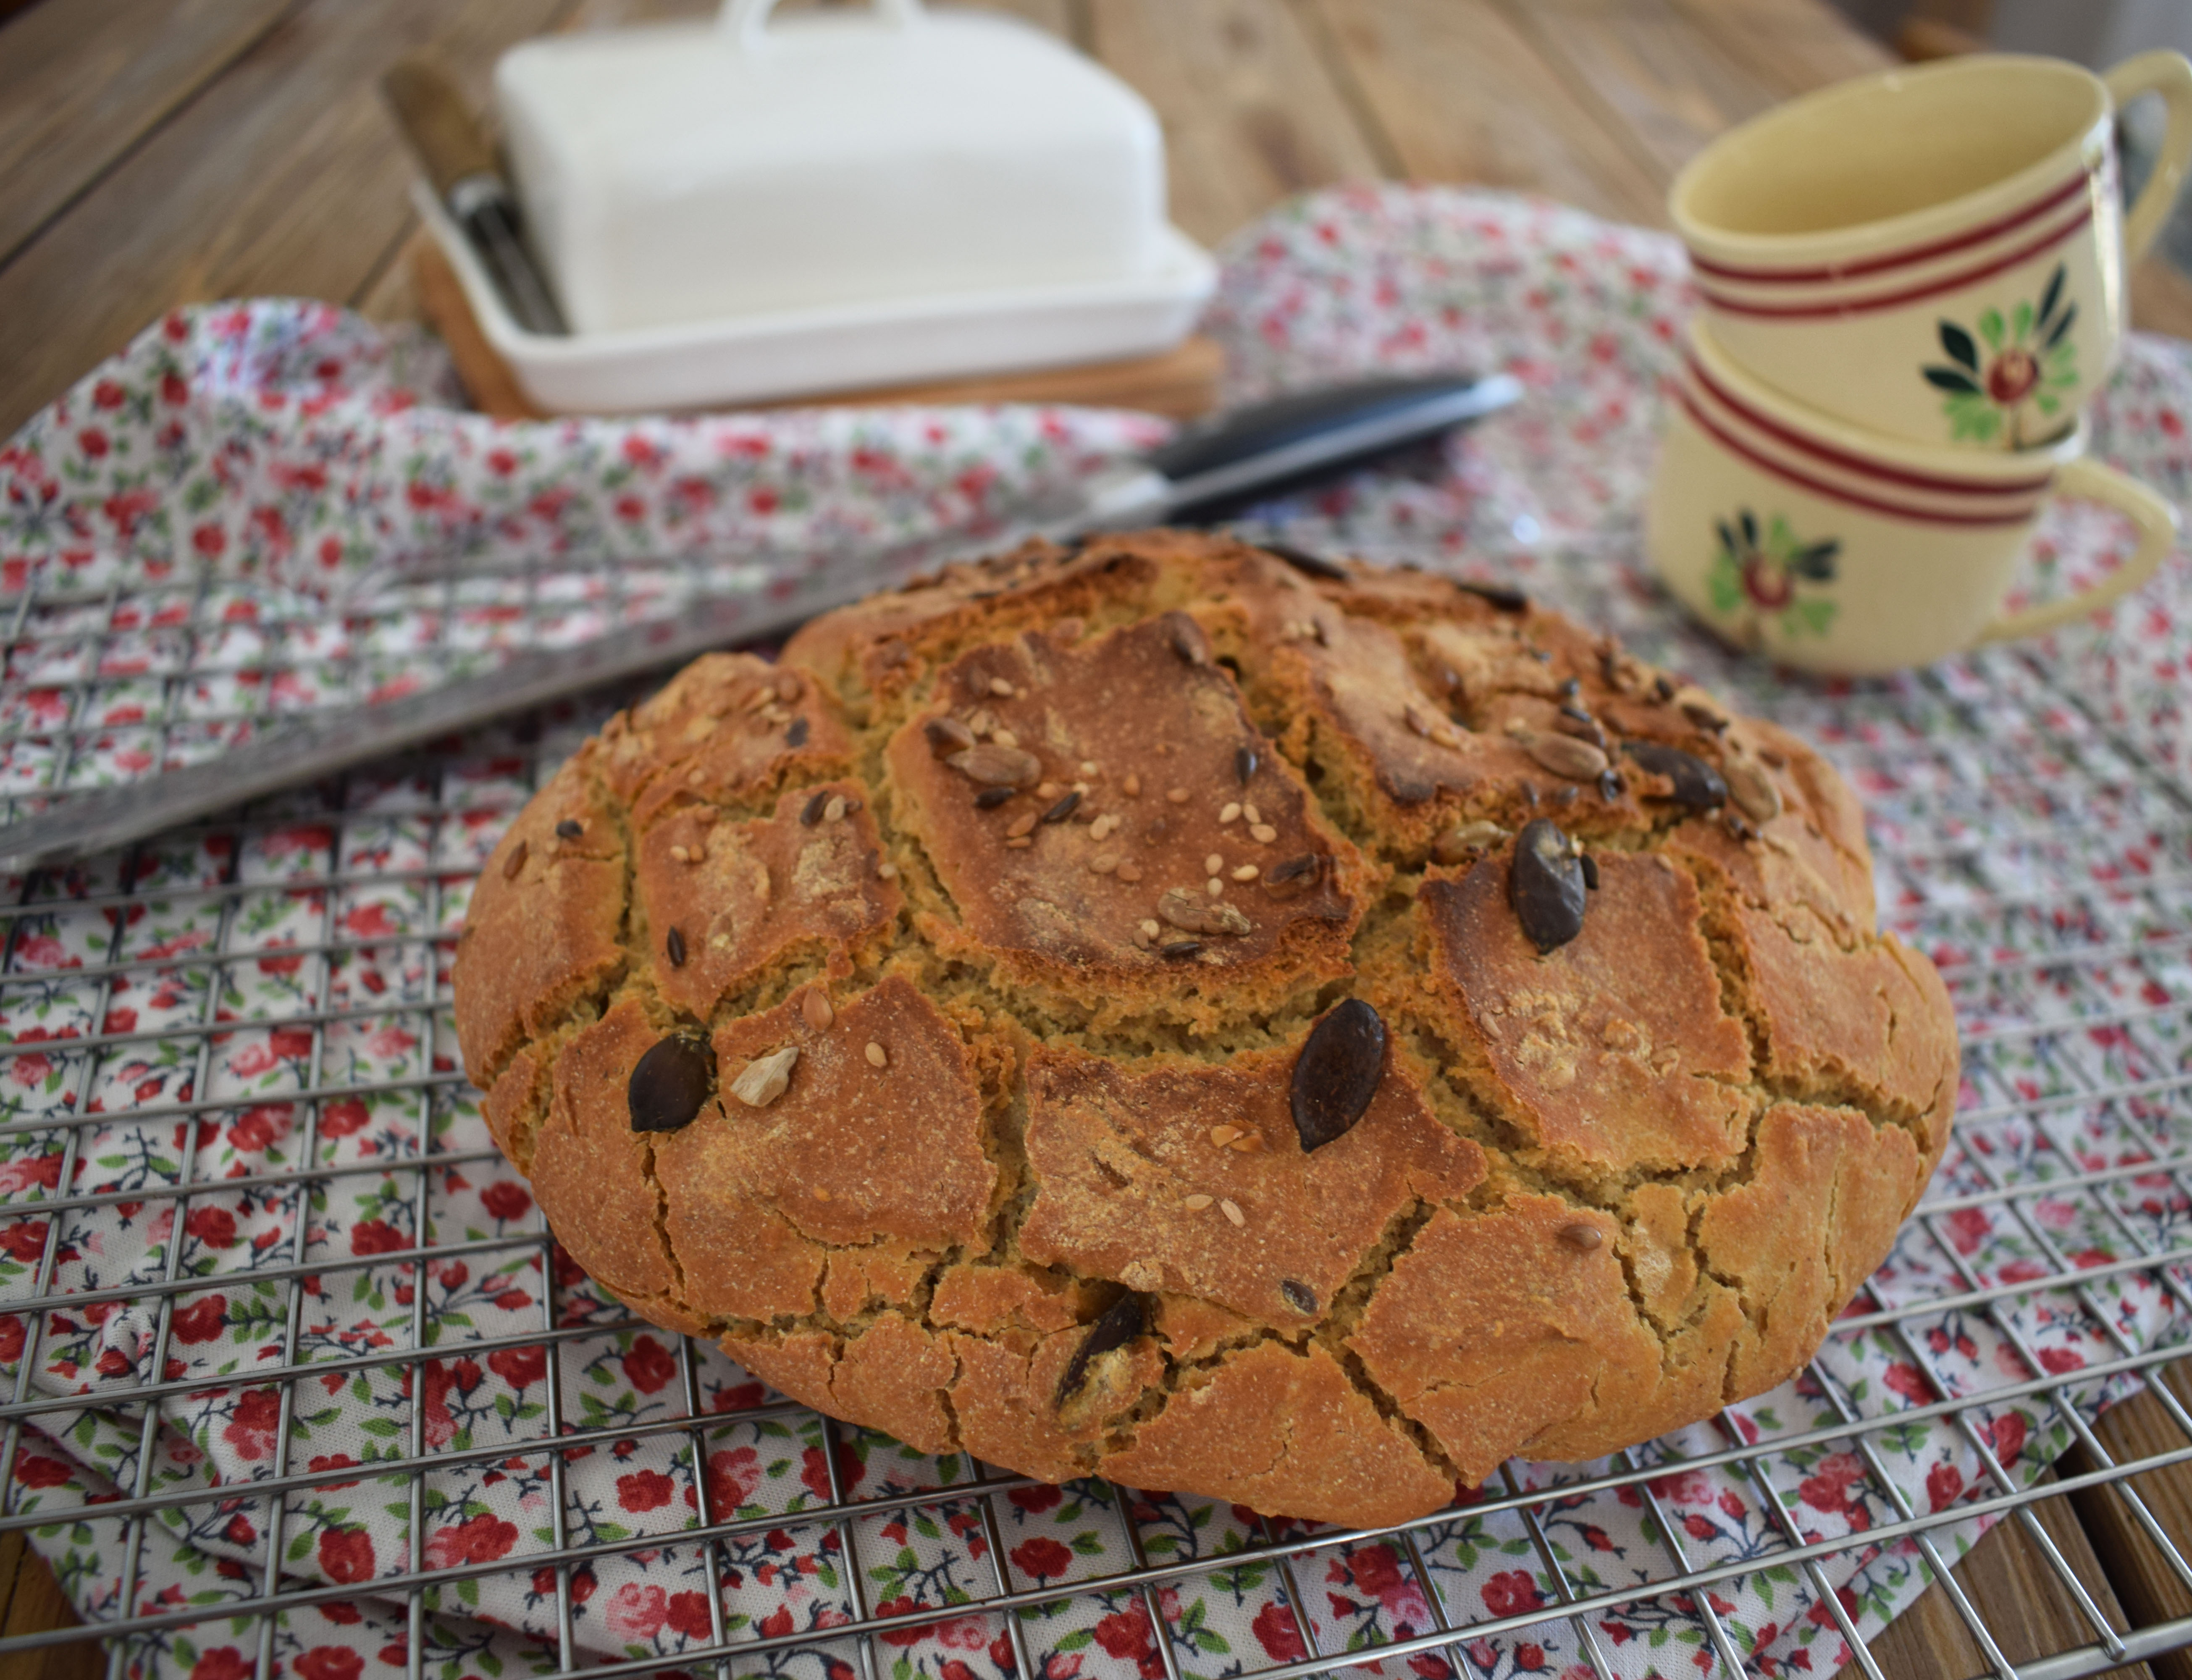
1908, 286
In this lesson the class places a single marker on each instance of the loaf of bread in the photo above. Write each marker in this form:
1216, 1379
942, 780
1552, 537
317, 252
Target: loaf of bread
1212, 1019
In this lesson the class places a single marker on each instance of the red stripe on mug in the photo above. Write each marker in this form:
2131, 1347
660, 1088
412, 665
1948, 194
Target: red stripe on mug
1836, 493
2054, 236
1903, 258
1866, 464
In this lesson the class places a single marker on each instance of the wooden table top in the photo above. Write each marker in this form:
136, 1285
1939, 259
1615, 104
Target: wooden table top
155, 153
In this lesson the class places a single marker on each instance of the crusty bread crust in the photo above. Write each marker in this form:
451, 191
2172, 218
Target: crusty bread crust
1033, 1189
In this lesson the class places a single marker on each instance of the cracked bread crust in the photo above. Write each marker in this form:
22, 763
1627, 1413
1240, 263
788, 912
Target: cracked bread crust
1033, 1190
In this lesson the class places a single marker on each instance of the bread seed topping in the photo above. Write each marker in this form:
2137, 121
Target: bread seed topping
947, 735
670, 1085
995, 766
1500, 597
1311, 565
1566, 755
1546, 886
1458, 844
1696, 783
1752, 788
1337, 1072
1127, 1319
765, 1079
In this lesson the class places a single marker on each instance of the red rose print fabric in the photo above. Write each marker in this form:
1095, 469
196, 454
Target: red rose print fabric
262, 509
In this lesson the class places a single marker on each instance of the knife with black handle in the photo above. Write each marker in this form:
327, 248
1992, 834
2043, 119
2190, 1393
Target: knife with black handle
1252, 453
432, 113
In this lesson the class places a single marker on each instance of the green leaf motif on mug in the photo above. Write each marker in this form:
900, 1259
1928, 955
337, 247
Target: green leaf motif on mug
1770, 580
2019, 363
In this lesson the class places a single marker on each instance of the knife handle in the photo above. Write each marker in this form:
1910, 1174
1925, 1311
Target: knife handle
431, 109
1262, 428
1262, 450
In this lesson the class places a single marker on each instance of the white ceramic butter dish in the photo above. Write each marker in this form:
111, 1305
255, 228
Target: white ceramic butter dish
793, 353
673, 173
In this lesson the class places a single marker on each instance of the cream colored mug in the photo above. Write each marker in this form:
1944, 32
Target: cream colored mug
1840, 551
1937, 253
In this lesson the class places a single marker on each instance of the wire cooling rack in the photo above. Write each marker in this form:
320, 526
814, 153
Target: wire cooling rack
2046, 863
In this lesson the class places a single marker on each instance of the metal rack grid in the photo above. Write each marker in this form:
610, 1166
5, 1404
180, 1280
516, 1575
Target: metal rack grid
2009, 827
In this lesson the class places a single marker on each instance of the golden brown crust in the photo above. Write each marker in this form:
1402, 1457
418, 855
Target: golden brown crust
1137, 743
853, 1164
854, 1152
543, 931
1032, 1187
1013, 1410
892, 1377
593, 1169
1280, 1430
730, 724
516, 1102
746, 897
1829, 1189
1612, 1051
1850, 1026
1134, 1171
1496, 1330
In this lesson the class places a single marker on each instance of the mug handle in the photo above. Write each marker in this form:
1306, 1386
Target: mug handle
2170, 74
2157, 535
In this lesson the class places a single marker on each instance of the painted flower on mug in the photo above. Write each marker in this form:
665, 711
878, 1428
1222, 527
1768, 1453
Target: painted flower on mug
2027, 362
1770, 580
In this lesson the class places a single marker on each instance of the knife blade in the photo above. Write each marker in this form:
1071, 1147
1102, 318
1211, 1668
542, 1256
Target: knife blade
431, 111
1254, 451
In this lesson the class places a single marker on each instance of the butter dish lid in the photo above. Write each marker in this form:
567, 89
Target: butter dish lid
691, 171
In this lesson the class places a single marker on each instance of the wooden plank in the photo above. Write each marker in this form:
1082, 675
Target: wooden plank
1251, 114
2150, 1588
2018, 1595
1460, 94
284, 176
13, 1549
1792, 46
390, 293
84, 81
1656, 80
36, 1605
2160, 297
